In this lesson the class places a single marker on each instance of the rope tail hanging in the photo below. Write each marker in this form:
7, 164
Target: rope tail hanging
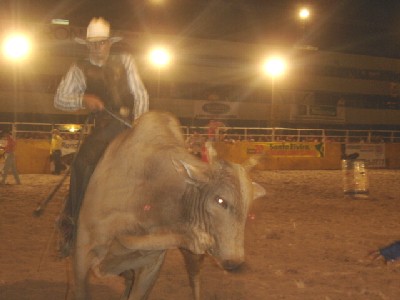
40, 209
42, 205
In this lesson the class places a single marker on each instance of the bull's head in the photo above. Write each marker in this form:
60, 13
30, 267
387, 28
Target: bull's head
219, 199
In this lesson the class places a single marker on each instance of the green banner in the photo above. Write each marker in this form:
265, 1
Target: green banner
295, 149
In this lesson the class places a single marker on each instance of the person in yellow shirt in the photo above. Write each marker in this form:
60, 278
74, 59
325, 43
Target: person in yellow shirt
55, 151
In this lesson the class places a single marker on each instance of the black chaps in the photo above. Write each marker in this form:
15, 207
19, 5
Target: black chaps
84, 164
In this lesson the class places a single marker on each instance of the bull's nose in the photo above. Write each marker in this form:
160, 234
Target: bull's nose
231, 265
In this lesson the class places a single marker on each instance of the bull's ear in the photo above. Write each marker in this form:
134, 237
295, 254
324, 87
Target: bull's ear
193, 174
258, 190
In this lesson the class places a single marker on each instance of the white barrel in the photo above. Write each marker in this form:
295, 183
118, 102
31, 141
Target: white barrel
355, 178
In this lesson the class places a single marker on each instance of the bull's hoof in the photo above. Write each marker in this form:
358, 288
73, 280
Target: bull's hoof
231, 265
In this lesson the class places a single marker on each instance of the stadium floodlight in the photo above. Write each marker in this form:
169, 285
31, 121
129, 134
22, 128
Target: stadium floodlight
160, 57
304, 13
17, 46
274, 66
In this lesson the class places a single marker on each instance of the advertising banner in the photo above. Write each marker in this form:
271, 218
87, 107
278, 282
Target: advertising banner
69, 146
288, 149
373, 154
216, 110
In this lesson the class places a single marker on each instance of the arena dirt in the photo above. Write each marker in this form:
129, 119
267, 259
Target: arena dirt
304, 240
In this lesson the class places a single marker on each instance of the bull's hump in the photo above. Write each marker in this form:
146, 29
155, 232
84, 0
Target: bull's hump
157, 127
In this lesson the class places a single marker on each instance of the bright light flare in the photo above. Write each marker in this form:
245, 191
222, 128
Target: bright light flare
17, 47
157, 2
160, 57
72, 129
274, 66
304, 13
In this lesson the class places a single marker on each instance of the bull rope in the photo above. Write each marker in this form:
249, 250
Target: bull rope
47, 249
42, 205
67, 270
118, 118
40, 209
67, 274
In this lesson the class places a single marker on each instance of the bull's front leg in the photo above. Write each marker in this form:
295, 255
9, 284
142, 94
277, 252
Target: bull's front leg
129, 277
193, 263
146, 276
197, 241
145, 265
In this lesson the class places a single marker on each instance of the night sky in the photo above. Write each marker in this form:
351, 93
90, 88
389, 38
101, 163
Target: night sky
351, 26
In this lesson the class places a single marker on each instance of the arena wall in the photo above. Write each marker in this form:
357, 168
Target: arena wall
331, 160
392, 153
237, 153
33, 157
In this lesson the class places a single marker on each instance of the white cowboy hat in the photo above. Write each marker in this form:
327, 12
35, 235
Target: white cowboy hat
98, 30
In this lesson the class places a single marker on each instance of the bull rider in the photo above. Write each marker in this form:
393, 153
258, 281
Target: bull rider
108, 85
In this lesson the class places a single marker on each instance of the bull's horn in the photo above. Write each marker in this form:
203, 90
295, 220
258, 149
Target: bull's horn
250, 163
258, 190
193, 174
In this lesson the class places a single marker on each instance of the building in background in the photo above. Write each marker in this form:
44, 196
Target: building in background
220, 80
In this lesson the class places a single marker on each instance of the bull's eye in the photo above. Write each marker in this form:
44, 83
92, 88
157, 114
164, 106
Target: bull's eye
221, 202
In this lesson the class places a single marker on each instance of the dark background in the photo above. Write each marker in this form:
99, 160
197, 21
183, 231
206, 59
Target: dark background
350, 26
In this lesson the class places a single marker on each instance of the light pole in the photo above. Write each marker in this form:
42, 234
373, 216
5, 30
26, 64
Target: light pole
16, 48
274, 67
304, 14
160, 58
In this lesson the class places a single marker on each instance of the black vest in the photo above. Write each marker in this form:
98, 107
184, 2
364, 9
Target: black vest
108, 82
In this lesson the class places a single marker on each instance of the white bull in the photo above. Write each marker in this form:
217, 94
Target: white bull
149, 194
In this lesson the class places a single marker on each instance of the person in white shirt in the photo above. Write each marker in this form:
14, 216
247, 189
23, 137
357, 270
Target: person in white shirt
108, 85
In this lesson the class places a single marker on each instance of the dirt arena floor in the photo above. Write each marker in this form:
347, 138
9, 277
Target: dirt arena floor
304, 240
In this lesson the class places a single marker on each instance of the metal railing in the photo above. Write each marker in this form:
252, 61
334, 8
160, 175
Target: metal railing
301, 135
43, 131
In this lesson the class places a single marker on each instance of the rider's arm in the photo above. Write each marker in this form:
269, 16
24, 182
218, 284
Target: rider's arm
69, 95
136, 86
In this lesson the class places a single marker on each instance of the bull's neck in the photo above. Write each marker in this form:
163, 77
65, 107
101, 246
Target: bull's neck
194, 209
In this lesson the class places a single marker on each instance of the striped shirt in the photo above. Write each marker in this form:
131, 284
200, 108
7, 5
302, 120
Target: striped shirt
72, 88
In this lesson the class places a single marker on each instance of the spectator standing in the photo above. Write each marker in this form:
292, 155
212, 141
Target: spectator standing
214, 130
9, 162
55, 151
